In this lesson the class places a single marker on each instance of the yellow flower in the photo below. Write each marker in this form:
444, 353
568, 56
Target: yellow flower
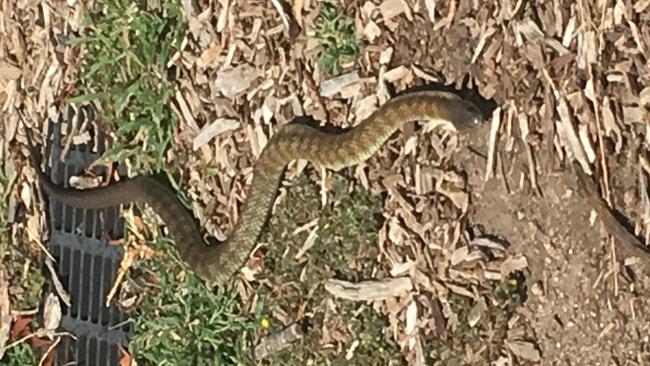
265, 323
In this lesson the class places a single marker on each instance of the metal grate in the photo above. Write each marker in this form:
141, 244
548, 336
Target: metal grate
85, 262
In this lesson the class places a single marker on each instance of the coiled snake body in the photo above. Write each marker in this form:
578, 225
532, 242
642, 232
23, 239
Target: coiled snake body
217, 263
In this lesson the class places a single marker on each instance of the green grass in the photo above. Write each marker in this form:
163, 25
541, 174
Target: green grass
181, 322
19, 355
336, 33
127, 46
124, 69
346, 248
510, 294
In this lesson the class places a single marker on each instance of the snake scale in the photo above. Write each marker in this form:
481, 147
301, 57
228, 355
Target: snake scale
216, 264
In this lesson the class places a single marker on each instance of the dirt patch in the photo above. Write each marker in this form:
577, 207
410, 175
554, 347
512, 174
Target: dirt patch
584, 305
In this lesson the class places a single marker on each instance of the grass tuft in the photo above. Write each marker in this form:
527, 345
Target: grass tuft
336, 33
181, 322
127, 48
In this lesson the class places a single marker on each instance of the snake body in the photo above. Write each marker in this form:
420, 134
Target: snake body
216, 264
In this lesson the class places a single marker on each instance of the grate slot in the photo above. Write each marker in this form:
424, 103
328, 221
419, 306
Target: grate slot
86, 294
93, 352
74, 283
106, 311
95, 283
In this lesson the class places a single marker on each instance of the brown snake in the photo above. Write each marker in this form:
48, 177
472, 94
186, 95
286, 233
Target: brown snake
217, 263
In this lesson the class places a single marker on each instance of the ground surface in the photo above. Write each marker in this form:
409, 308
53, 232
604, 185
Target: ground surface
509, 269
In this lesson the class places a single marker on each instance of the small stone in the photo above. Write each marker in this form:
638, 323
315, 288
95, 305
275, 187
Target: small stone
537, 289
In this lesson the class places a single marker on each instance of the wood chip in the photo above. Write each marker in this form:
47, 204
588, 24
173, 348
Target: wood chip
309, 243
391, 8
58, 285
411, 328
186, 112
8, 72
524, 350
275, 342
334, 85
477, 312
460, 291
234, 81
569, 130
488, 243
209, 55
369, 290
51, 313
400, 74
492, 141
214, 129
365, 107
609, 123
371, 31
633, 114
512, 264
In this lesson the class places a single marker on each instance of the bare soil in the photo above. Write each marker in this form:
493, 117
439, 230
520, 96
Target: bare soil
584, 307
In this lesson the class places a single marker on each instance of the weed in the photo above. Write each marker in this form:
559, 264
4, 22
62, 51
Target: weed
181, 322
124, 69
19, 355
335, 32
512, 293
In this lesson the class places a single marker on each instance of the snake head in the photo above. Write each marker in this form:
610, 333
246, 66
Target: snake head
467, 114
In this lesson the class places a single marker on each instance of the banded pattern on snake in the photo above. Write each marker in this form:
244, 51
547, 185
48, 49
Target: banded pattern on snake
216, 264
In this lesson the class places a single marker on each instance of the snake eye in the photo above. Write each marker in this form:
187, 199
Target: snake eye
476, 112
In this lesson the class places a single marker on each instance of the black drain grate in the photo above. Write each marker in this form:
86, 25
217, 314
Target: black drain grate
85, 262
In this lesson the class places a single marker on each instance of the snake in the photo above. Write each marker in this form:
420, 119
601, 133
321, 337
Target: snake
218, 264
